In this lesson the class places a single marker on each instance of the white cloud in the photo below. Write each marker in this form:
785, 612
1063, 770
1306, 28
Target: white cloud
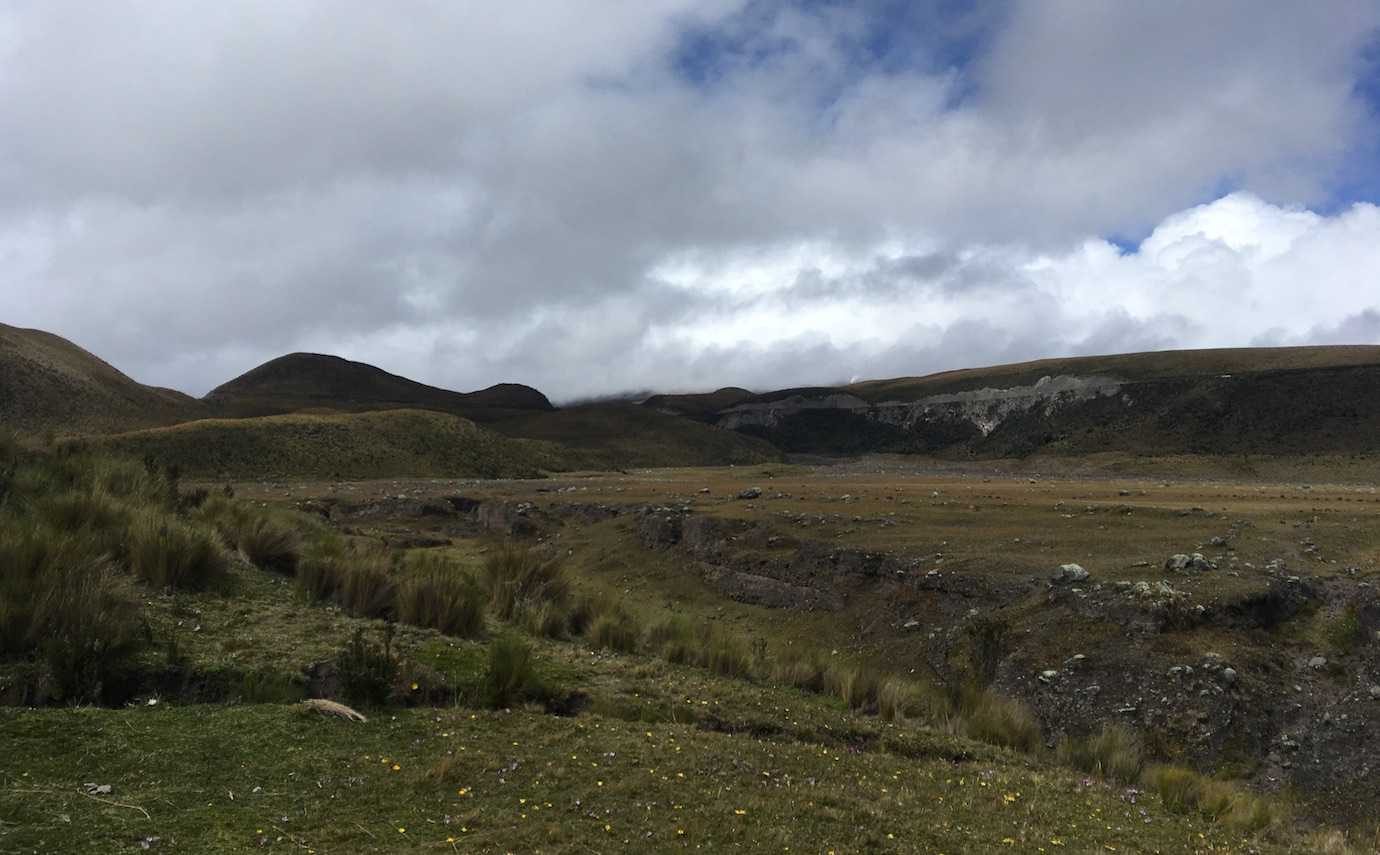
527, 191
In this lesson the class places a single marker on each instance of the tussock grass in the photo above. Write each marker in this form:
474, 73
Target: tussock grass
1185, 791
615, 629
439, 593
1114, 752
67, 605
519, 579
801, 670
368, 586
900, 699
991, 718
511, 675
166, 552
855, 685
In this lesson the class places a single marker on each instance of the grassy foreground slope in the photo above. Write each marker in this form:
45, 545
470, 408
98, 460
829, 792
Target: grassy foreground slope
627, 435
48, 383
355, 445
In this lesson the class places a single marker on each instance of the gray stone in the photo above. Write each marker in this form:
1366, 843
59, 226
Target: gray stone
1375, 692
751, 493
1229, 675
1070, 573
1317, 663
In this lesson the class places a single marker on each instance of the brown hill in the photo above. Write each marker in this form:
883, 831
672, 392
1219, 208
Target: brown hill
308, 381
47, 383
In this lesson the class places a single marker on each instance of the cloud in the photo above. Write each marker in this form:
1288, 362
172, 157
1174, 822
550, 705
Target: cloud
673, 194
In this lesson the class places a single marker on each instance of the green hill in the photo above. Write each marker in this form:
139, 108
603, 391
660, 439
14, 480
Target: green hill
629, 435
304, 381
47, 383
393, 443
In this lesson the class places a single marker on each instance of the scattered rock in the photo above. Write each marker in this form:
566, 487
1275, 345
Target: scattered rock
1375, 692
751, 493
1181, 563
98, 789
1070, 573
1229, 675
1317, 663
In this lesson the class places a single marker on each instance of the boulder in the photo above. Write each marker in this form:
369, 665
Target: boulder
1183, 563
1069, 573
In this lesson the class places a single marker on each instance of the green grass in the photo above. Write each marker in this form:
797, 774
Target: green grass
390, 443
222, 779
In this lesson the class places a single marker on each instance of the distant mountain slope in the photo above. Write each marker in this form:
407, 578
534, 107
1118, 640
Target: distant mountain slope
48, 383
703, 406
392, 443
1245, 401
304, 381
620, 435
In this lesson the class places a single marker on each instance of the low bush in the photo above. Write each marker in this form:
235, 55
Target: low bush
367, 671
511, 675
166, 552
438, 593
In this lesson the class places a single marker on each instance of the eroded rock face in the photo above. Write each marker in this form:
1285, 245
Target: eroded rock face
983, 409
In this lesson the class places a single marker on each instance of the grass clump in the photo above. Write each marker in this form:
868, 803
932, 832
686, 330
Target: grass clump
511, 675
67, 607
1185, 791
519, 579
368, 587
1114, 752
900, 699
991, 718
854, 685
167, 552
803, 671
438, 593
615, 630
367, 671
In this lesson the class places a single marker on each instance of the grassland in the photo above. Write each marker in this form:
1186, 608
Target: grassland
625, 435
674, 744
345, 446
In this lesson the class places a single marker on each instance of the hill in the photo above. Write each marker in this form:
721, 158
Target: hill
618, 435
393, 443
304, 381
1245, 401
48, 383
704, 406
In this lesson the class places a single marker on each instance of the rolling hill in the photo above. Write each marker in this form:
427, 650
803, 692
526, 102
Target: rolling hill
47, 383
392, 443
304, 381
618, 435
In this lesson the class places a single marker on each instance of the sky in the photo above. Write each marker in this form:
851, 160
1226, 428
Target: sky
606, 196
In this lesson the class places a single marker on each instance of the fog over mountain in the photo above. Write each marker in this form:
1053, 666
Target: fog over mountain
677, 195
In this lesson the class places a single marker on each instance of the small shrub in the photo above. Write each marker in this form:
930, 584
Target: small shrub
367, 671
615, 630
439, 594
673, 639
988, 717
169, 553
518, 579
1344, 633
511, 676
